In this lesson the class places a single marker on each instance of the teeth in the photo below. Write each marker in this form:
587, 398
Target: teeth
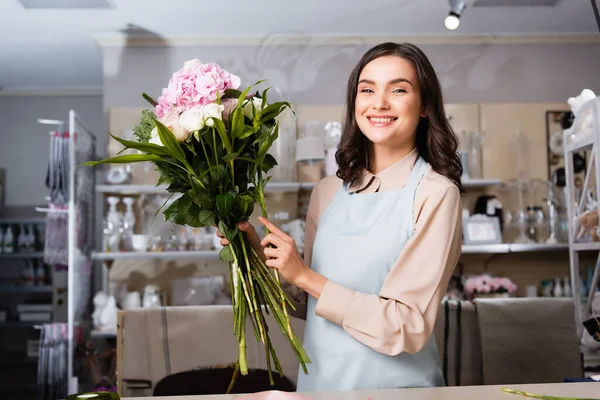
381, 120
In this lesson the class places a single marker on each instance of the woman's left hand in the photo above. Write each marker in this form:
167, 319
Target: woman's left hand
285, 256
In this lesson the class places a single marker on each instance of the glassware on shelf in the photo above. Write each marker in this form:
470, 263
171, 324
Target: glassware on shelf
471, 153
128, 225
112, 226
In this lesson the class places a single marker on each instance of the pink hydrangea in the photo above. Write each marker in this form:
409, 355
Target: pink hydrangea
194, 85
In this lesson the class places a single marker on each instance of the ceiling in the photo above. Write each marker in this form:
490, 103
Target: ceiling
45, 49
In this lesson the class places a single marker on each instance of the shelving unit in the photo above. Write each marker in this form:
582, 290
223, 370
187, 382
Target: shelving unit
575, 206
155, 255
22, 256
271, 187
502, 248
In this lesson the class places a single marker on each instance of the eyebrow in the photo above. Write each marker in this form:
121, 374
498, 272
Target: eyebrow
397, 80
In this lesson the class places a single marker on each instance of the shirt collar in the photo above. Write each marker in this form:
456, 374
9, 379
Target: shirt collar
391, 178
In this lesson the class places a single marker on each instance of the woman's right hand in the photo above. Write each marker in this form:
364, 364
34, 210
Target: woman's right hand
251, 236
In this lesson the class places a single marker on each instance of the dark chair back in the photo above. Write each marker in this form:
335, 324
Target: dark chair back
216, 381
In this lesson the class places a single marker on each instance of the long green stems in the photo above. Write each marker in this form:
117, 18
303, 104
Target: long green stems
255, 291
263, 207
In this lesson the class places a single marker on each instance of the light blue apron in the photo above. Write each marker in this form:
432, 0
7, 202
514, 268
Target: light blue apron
381, 222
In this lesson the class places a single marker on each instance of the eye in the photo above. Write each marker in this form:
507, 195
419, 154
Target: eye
399, 90
366, 90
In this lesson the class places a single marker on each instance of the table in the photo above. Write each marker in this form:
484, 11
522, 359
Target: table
491, 392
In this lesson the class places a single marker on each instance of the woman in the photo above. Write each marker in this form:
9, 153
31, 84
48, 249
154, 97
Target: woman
383, 236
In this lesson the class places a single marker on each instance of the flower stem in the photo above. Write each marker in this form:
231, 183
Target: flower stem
263, 207
253, 299
233, 378
539, 396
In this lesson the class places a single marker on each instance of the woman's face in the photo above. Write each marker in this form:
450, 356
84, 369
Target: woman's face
388, 102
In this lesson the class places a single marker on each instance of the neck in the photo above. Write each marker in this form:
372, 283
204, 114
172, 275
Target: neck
384, 156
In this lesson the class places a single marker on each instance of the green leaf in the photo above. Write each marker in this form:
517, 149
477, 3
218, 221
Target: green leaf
220, 128
268, 163
184, 211
242, 97
249, 132
273, 110
224, 203
230, 156
178, 187
237, 122
241, 205
264, 98
125, 159
207, 217
226, 255
168, 139
150, 100
229, 233
232, 93
266, 145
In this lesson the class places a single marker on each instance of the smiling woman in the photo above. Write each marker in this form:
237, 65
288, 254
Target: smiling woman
382, 237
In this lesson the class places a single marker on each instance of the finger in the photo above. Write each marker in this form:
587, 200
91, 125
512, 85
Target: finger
272, 239
273, 263
270, 226
245, 226
219, 234
224, 242
271, 253
273, 229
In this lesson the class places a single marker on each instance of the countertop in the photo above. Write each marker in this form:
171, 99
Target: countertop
492, 392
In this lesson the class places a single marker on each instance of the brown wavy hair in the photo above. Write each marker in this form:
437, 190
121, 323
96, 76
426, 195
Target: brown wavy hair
435, 140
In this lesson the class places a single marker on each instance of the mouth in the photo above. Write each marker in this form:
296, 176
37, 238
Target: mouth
381, 121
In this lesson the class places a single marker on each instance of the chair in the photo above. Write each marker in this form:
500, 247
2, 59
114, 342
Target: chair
216, 381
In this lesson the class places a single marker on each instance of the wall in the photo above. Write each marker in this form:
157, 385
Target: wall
24, 142
317, 74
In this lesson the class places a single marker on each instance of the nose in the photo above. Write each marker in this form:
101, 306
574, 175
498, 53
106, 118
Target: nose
380, 102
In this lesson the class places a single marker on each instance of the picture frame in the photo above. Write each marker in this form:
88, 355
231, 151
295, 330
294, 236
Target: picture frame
481, 229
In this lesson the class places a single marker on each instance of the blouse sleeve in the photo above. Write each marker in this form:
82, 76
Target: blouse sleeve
402, 317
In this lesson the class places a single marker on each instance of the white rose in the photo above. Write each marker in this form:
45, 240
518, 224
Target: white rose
192, 119
248, 107
171, 121
154, 138
212, 110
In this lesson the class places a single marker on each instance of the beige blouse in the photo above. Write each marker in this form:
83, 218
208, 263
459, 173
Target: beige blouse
402, 316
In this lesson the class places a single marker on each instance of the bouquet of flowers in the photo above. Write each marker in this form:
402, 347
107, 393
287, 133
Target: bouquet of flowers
210, 143
486, 285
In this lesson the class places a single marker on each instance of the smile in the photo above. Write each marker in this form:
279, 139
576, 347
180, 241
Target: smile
381, 121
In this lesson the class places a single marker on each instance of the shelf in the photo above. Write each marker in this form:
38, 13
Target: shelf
22, 220
586, 246
480, 183
162, 189
214, 254
513, 248
100, 334
161, 255
526, 247
485, 248
25, 289
22, 255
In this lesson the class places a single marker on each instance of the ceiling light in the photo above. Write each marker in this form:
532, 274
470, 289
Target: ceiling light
456, 8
